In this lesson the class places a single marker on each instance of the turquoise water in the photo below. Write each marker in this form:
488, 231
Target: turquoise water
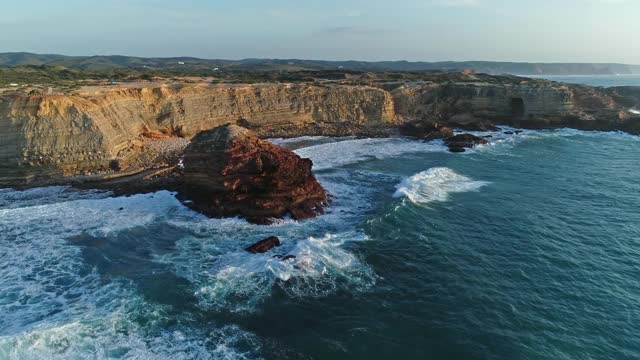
526, 248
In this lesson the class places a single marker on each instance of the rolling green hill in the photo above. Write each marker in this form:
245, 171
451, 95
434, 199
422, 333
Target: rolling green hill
117, 61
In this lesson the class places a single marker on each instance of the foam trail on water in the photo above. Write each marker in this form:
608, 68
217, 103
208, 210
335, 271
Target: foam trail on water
239, 281
634, 111
435, 184
300, 139
56, 305
342, 153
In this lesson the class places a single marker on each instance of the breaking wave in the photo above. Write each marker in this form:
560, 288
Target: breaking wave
435, 184
227, 278
56, 305
240, 282
117, 337
347, 152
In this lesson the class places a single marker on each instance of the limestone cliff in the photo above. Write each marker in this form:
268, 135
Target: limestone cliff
104, 130
526, 104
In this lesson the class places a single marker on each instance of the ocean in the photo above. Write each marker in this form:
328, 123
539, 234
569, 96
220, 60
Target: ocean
525, 248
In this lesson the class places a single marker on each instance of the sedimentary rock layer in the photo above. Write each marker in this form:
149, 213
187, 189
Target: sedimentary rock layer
229, 171
103, 131
75, 133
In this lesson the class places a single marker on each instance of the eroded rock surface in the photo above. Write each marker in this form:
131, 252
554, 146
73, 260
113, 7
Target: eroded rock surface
229, 171
425, 130
49, 139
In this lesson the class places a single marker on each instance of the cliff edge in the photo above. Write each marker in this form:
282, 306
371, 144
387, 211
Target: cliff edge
96, 133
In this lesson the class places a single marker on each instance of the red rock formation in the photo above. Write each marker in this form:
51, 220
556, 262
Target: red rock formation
229, 171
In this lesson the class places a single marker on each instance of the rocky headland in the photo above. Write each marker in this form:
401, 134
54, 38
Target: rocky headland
229, 171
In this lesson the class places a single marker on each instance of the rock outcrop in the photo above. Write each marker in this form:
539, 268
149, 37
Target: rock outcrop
264, 245
425, 130
459, 142
229, 171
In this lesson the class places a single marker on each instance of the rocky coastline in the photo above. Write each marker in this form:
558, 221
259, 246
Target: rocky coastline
228, 171
143, 139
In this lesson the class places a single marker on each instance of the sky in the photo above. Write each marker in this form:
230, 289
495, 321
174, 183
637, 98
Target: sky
414, 30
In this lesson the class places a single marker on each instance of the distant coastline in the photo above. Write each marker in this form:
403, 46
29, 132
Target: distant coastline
105, 62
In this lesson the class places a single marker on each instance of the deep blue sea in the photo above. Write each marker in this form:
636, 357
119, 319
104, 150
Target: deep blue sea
525, 248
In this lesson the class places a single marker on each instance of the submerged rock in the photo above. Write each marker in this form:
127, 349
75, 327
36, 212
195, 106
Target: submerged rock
229, 171
264, 245
459, 142
284, 257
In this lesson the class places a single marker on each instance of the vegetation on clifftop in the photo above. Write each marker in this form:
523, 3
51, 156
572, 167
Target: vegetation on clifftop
46, 78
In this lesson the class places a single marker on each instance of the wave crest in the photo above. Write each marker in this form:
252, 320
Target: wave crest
241, 280
435, 184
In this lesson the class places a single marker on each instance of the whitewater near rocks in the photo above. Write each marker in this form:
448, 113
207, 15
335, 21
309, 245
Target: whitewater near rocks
145, 277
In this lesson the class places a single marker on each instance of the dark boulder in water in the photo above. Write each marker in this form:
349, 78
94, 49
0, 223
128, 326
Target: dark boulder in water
517, 132
459, 142
264, 245
425, 130
456, 149
284, 257
229, 171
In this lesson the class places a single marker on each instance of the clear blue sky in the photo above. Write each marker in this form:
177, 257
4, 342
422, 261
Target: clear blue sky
429, 30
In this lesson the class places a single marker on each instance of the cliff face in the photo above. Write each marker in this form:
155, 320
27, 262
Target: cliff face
71, 134
528, 105
482, 100
105, 130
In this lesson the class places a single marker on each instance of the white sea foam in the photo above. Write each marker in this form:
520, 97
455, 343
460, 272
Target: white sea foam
54, 305
286, 141
118, 337
227, 277
11, 199
341, 153
41, 274
634, 111
435, 184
